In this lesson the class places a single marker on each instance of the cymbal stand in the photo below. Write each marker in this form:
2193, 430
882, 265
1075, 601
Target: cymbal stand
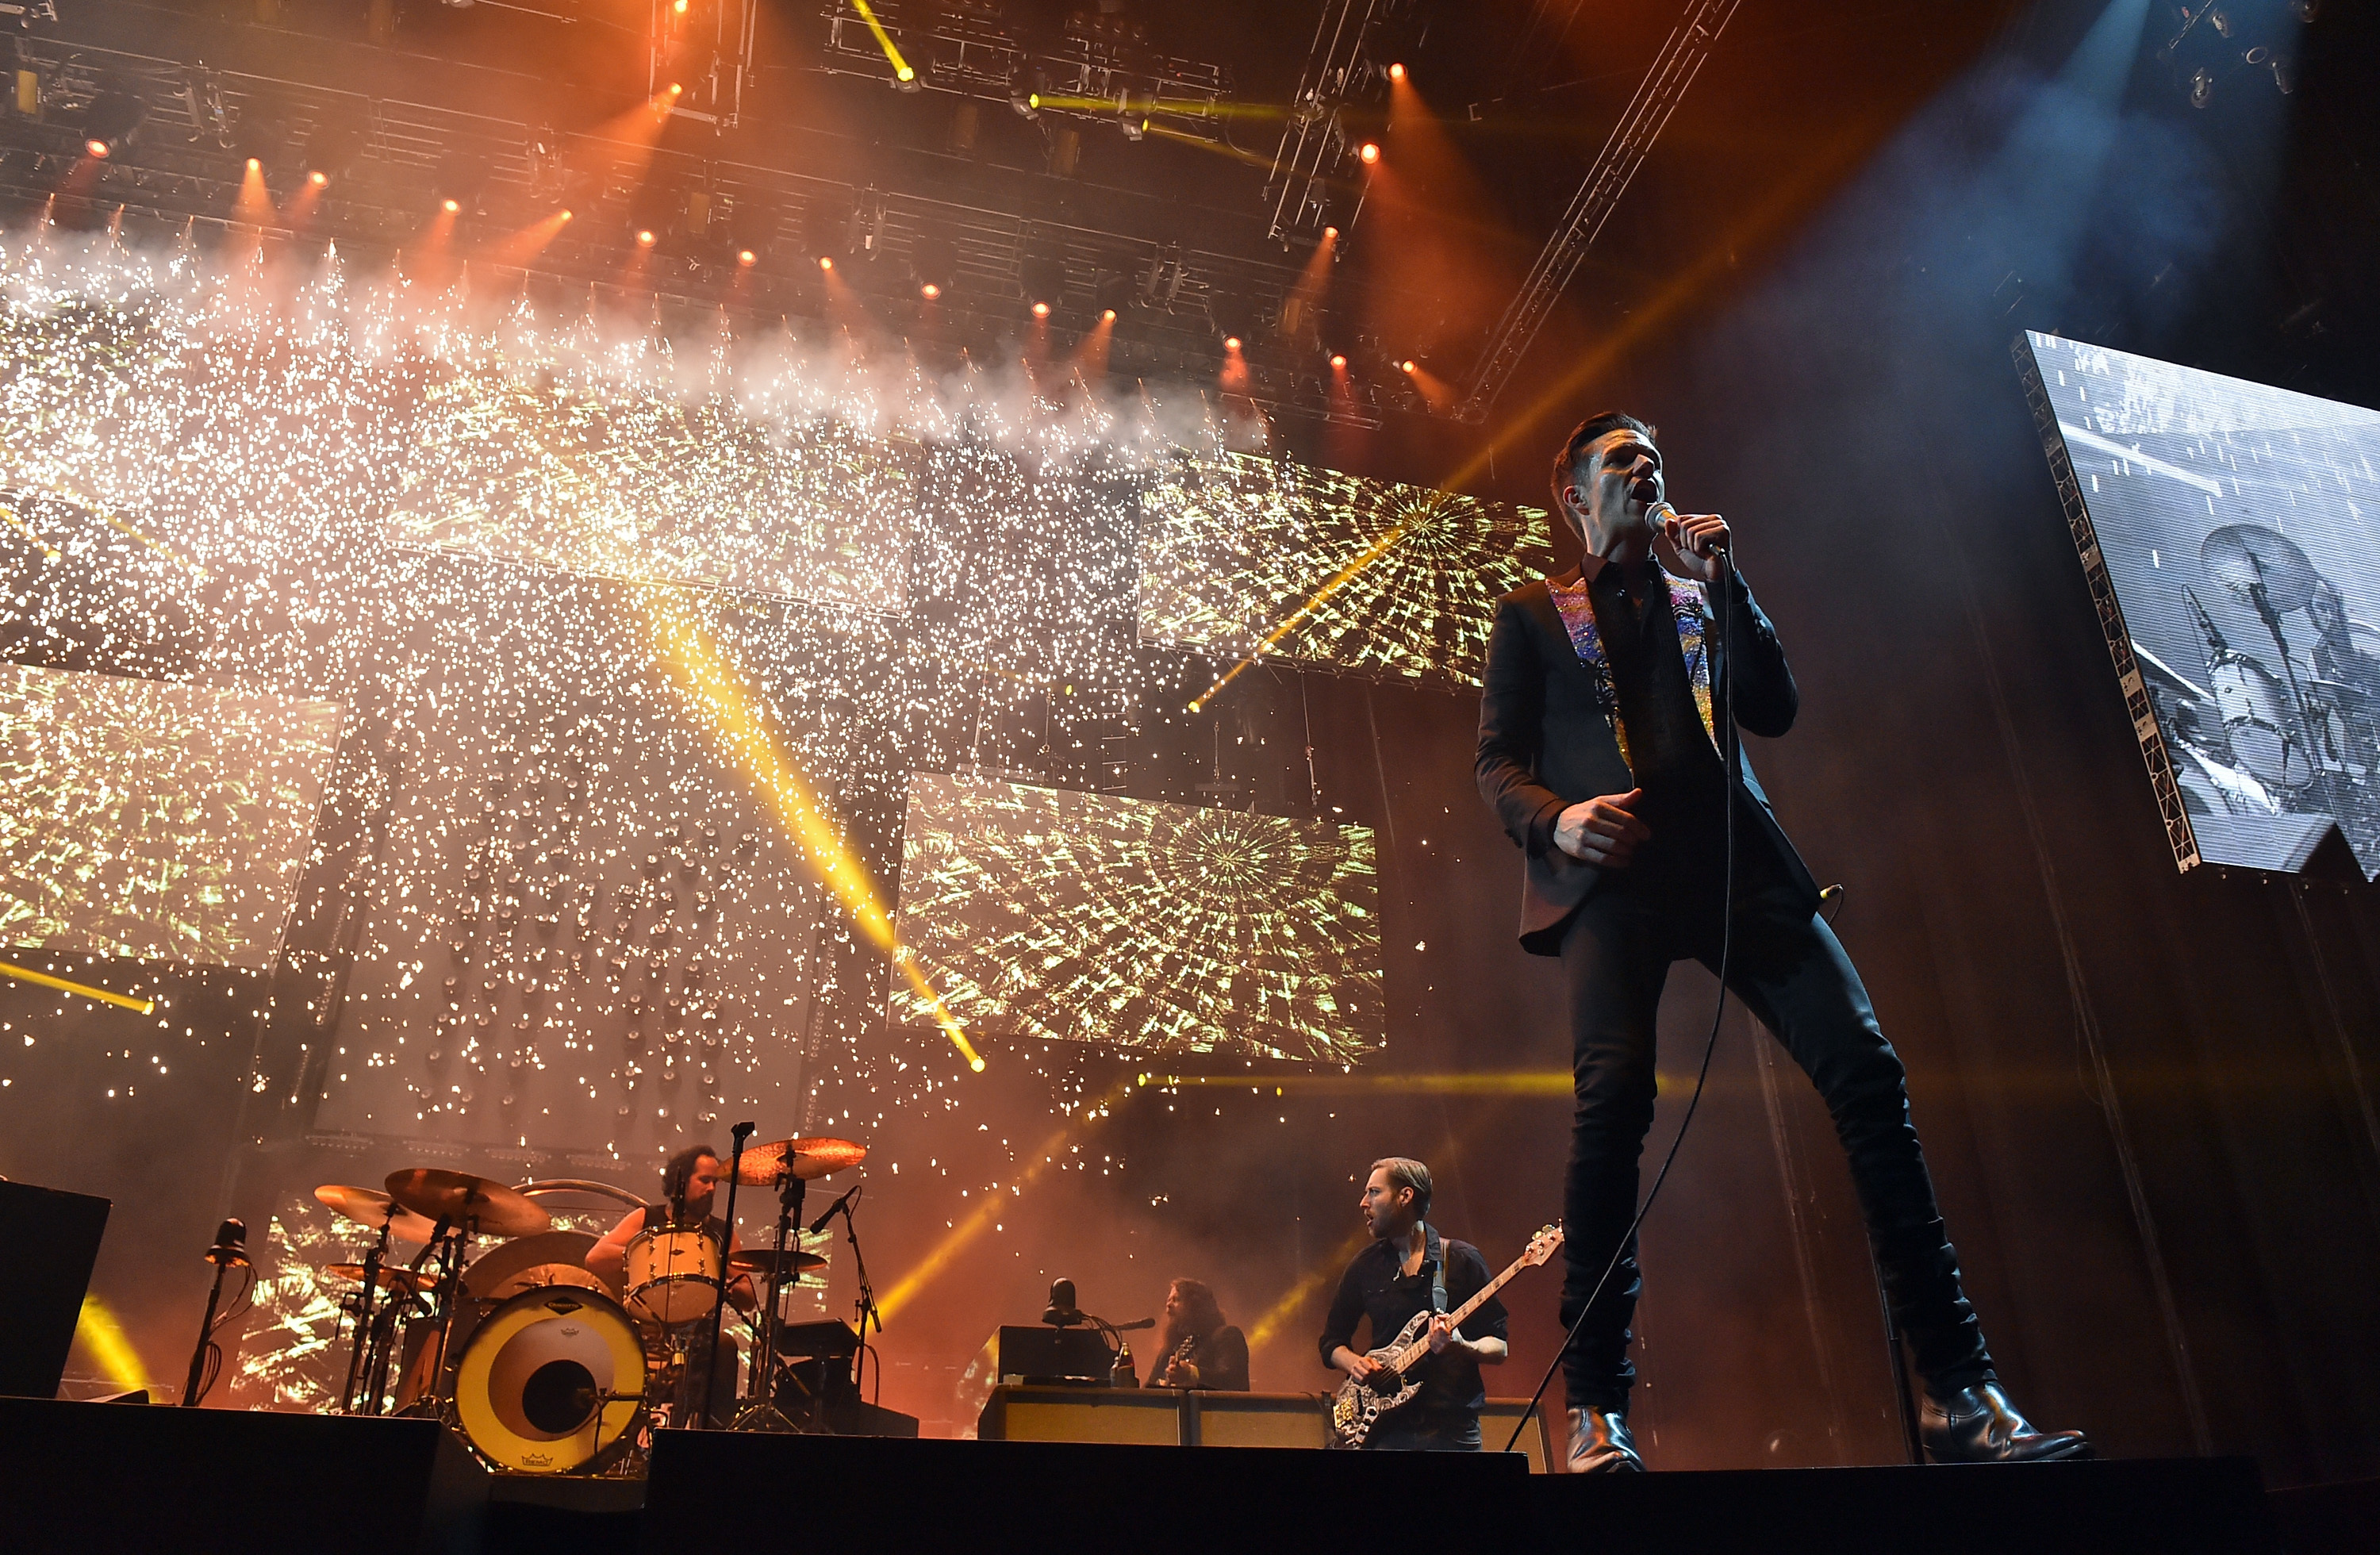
865, 1302
760, 1411
363, 1305
449, 1240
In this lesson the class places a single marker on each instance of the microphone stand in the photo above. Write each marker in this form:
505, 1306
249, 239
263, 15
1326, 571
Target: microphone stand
358, 1367
742, 1131
866, 1304
223, 1255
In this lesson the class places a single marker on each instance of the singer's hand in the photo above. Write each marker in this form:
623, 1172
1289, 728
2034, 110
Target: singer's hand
1603, 831
1691, 544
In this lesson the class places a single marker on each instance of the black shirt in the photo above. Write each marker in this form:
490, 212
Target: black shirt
1222, 1358
1374, 1286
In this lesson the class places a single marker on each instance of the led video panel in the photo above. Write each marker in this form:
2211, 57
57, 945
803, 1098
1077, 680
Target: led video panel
1140, 927
1241, 553
2227, 530
153, 820
640, 485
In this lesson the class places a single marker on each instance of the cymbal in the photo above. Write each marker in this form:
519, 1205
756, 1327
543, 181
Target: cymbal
392, 1276
2240, 555
489, 1209
372, 1208
807, 1159
757, 1260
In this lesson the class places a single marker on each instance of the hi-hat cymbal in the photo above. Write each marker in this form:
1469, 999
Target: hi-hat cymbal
757, 1260
2241, 555
392, 1276
807, 1159
372, 1208
489, 1208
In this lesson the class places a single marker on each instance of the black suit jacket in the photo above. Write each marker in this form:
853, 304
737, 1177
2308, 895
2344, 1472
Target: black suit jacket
1544, 744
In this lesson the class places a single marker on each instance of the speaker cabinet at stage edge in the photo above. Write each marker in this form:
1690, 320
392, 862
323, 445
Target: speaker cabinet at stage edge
53, 1239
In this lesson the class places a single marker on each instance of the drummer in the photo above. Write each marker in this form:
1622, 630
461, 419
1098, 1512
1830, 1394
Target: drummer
689, 1189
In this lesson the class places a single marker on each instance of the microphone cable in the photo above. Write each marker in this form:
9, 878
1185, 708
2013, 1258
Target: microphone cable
1723, 668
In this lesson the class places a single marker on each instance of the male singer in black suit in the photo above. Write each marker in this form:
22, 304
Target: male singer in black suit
1600, 733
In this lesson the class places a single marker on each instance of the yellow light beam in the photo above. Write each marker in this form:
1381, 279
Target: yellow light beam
1267, 1328
103, 1337
124, 1000
1340, 580
884, 40
1548, 1082
727, 709
1053, 1149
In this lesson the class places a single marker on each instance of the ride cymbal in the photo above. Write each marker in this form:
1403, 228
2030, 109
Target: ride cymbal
475, 1203
807, 1159
392, 1276
757, 1260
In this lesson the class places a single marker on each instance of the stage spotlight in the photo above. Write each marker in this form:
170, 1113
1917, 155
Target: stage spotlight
1396, 72
826, 261
1369, 151
460, 178
450, 206
1024, 89
1107, 315
934, 262
1330, 234
746, 257
338, 139
905, 79
1405, 366
318, 177
647, 237
1043, 279
111, 122
1231, 343
678, 5
2201, 87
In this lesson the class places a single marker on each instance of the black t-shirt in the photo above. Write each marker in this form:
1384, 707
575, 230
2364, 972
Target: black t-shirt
1222, 1358
1375, 1287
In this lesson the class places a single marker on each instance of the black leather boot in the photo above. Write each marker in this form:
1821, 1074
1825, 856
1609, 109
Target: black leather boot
1979, 1425
1599, 1443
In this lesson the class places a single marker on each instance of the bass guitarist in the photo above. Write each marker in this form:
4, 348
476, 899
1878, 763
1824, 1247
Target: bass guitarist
1408, 1268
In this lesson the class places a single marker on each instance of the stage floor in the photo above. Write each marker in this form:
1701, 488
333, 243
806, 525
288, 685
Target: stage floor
95, 1476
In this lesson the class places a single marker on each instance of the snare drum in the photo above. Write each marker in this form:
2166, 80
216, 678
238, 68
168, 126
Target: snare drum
673, 1274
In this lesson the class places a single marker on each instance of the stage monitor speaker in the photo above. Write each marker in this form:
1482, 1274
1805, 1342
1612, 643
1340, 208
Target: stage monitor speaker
1054, 1356
53, 1241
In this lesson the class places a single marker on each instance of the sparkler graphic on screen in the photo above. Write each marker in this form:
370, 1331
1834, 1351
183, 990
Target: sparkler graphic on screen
1148, 928
1244, 556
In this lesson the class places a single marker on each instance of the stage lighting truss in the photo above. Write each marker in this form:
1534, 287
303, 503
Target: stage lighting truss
1346, 79
1102, 68
705, 47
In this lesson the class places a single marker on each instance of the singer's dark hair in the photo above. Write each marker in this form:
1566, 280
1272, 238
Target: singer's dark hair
680, 1168
1595, 426
1201, 1315
1406, 1172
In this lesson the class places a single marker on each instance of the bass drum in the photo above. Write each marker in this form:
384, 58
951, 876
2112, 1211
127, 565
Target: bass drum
2267, 736
551, 1382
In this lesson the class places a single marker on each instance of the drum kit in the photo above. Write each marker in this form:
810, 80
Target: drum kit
540, 1365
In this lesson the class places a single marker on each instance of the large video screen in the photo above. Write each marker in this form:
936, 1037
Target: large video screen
156, 820
1139, 926
1242, 554
2231, 534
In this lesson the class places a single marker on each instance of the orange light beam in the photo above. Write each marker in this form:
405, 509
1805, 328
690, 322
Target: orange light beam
1339, 580
938, 1260
1266, 1328
255, 203
515, 249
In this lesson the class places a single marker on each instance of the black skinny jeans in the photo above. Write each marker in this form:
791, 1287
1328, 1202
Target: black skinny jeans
1792, 973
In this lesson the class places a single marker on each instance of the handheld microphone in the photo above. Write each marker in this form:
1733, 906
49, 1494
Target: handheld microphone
1661, 512
837, 1208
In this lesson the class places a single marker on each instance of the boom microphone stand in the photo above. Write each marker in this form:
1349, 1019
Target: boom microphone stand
760, 1411
230, 1248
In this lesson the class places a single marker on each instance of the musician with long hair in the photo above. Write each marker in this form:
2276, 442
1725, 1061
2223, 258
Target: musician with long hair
1196, 1348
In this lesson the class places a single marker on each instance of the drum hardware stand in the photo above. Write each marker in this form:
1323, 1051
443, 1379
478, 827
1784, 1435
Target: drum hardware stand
760, 1411
450, 1239
367, 1324
741, 1132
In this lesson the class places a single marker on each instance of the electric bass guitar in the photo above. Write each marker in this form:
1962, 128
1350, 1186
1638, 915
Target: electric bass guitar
1360, 1406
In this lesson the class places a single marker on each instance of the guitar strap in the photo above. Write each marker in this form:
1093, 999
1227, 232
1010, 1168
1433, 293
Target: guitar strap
1434, 1252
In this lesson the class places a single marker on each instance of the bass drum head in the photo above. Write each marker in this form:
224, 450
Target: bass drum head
529, 1392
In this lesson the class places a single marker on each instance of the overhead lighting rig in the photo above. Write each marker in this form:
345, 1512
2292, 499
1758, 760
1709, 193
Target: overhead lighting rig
1101, 71
1325, 145
706, 48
